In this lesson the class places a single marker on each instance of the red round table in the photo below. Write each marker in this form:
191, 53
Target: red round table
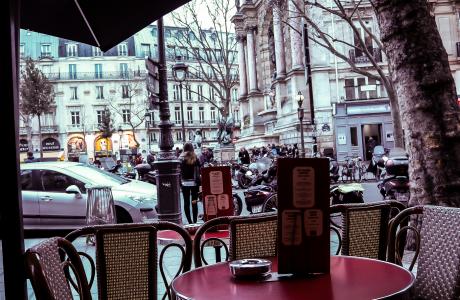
351, 278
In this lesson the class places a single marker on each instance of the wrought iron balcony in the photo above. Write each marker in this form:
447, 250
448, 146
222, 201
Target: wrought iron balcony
49, 128
94, 75
359, 57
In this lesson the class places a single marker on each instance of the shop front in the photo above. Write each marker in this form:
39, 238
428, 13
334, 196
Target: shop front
76, 147
127, 146
103, 147
51, 149
361, 125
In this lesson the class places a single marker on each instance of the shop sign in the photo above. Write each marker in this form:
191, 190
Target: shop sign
368, 109
76, 145
51, 144
23, 145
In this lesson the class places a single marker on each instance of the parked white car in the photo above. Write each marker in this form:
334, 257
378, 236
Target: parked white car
54, 195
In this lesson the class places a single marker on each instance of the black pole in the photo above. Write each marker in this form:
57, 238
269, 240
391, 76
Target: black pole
168, 174
182, 113
11, 232
308, 67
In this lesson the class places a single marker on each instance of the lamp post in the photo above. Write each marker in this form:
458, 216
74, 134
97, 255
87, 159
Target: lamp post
120, 134
180, 73
300, 112
166, 164
148, 120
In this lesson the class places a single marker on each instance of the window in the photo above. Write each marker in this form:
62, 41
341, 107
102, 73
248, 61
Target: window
123, 70
122, 49
364, 36
350, 89
188, 92
45, 50
190, 115
177, 115
354, 136
47, 119
73, 93
211, 93
152, 137
126, 115
236, 113
145, 50
199, 90
72, 71
213, 115
124, 91
209, 71
190, 135
26, 180
178, 136
235, 95
72, 50
99, 92
201, 114
22, 50
154, 31
100, 116
53, 181
75, 118
97, 51
98, 71
363, 88
46, 69
176, 92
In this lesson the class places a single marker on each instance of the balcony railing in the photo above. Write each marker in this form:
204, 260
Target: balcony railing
49, 128
359, 57
45, 55
94, 75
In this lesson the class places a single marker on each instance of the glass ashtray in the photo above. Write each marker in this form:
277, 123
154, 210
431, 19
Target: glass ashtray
250, 268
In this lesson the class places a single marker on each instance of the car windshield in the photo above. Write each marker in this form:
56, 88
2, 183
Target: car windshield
98, 176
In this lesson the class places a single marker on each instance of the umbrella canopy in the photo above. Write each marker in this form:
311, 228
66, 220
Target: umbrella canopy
101, 23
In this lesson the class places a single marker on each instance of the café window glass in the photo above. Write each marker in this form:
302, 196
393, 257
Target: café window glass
354, 136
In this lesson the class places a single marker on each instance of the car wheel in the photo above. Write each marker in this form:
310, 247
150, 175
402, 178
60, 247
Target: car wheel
122, 215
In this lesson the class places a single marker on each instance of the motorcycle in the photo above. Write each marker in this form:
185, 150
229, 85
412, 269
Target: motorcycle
263, 170
395, 183
346, 193
256, 197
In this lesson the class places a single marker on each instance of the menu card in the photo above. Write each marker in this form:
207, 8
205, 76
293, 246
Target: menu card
217, 191
303, 216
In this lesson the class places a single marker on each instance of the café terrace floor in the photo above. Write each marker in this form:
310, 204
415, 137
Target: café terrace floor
172, 261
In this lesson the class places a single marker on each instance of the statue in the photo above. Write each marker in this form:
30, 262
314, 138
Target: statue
198, 138
224, 134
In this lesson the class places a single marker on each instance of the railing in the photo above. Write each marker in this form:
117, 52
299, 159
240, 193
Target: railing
94, 75
359, 57
45, 55
49, 128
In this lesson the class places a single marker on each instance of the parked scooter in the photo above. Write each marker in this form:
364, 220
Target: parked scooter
146, 173
256, 196
395, 184
346, 193
261, 171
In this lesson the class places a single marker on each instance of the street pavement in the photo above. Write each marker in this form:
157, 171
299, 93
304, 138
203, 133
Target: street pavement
172, 257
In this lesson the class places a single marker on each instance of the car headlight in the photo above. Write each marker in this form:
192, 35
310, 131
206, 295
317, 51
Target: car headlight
141, 199
248, 173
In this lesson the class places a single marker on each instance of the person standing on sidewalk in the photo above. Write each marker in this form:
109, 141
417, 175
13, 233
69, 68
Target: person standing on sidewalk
190, 181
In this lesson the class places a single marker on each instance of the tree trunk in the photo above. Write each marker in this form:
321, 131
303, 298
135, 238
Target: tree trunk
427, 99
396, 117
40, 135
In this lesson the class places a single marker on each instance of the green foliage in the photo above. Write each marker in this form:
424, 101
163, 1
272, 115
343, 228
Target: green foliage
106, 125
36, 92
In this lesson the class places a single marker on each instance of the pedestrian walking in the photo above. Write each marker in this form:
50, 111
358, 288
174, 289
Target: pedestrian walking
190, 181
30, 157
243, 155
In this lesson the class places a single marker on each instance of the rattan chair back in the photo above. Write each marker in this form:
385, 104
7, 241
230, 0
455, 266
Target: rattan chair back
126, 258
250, 236
48, 265
364, 228
438, 250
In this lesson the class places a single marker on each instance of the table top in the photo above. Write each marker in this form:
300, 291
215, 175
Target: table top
350, 278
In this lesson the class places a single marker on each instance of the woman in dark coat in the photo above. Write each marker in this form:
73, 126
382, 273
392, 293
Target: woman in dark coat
190, 175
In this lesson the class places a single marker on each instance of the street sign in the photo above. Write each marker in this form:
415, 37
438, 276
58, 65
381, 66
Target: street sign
153, 82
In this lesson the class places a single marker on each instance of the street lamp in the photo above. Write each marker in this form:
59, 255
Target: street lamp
300, 112
120, 134
180, 73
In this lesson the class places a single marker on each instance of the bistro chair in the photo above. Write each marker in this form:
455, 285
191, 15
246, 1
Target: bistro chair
48, 266
126, 258
250, 237
363, 231
437, 242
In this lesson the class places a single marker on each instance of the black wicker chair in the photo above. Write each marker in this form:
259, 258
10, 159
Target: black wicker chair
437, 243
126, 258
